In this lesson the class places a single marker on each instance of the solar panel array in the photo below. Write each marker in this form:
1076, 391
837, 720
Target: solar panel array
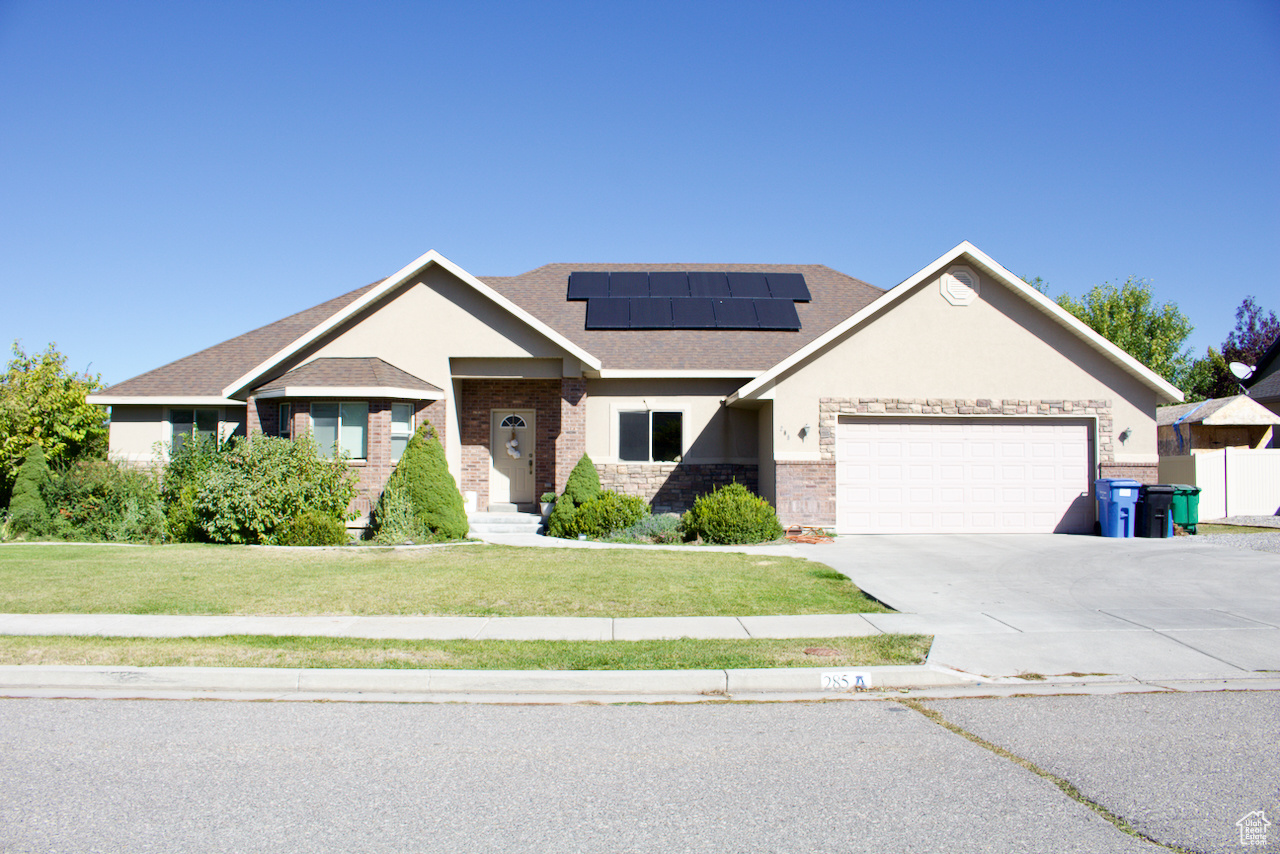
693, 300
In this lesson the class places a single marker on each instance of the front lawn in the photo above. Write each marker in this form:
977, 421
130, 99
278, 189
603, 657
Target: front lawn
260, 651
475, 580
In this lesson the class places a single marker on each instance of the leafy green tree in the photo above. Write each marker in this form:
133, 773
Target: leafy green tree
1254, 332
42, 403
1129, 317
28, 510
422, 477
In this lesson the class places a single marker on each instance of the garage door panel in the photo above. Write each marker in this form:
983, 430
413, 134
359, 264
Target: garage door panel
963, 476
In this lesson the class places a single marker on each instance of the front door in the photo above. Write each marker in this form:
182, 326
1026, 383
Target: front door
511, 478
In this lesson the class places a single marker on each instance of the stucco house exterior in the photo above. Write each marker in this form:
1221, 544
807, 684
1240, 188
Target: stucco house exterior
959, 400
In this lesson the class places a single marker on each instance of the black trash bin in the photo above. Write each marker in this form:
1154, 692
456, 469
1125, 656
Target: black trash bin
1155, 517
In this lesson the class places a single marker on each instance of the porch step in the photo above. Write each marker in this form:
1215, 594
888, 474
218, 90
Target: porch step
509, 522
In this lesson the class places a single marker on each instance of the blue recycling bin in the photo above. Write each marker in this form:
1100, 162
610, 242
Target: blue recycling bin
1117, 505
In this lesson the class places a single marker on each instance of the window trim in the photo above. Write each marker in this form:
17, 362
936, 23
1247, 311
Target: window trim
340, 403
620, 409
413, 417
169, 421
284, 420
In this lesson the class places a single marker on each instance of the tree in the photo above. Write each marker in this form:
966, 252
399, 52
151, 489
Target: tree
42, 403
1129, 317
1254, 332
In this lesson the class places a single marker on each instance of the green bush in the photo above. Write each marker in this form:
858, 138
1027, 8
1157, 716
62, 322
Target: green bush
252, 488
314, 528
107, 501
660, 529
608, 512
392, 521
188, 465
423, 475
582, 486
731, 515
28, 509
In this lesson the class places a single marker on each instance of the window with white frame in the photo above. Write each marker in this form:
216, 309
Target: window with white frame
341, 428
401, 429
650, 436
191, 424
284, 422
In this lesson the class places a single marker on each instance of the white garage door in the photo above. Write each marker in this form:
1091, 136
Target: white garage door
926, 475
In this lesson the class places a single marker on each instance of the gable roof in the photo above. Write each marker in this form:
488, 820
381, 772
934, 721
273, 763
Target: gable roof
349, 377
741, 352
968, 252
1225, 411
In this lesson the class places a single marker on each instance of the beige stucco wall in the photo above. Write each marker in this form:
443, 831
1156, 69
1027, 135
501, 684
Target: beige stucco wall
712, 432
141, 434
998, 347
431, 320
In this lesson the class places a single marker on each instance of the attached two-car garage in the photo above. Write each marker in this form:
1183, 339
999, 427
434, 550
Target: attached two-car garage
963, 475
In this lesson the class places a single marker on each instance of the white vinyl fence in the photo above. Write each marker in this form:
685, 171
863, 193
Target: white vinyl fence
1232, 481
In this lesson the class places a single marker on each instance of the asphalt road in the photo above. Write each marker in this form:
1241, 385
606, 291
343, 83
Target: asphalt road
873, 776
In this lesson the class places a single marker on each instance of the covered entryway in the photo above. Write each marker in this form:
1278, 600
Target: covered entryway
511, 479
963, 475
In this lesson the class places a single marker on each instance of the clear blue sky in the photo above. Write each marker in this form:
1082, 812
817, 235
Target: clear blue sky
177, 173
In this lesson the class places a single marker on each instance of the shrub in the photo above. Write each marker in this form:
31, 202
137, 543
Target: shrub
608, 512
731, 515
107, 501
392, 521
661, 529
253, 488
313, 528
582, 485
423, 475
28, 509
188, 465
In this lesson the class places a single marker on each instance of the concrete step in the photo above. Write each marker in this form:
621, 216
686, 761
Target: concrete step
504, 523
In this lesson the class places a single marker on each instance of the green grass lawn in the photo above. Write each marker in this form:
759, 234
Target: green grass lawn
478, 580
259, 651
1209, 528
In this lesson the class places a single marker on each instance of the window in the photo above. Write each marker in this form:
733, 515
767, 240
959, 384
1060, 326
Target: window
401, 429
650, 436
341, 425
193, 423
284, 425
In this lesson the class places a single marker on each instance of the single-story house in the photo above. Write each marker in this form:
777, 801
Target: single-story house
1263, 384
960, 400
1221, 422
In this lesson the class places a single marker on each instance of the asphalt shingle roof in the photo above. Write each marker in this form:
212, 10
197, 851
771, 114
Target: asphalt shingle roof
336, 372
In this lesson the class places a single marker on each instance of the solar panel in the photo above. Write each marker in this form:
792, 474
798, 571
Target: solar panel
693, 313
586, 285
628, 284
736, 314
651, 313
748, 285
608, 313
669, 284
788, 286
708, 284
777, 314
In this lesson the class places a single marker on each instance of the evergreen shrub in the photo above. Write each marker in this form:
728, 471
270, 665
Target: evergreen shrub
28, 510
423, 476
608, 512
731, 515
582, 485
313, 528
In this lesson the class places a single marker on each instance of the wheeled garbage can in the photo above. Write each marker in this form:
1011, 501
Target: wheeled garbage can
1186, 506
1154, 518
1117, 505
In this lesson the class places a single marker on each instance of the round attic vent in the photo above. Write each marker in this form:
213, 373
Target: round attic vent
959, 286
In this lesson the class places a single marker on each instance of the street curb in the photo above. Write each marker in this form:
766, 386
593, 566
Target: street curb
806, 680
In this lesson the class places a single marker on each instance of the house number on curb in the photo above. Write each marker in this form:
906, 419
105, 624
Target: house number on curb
844, 680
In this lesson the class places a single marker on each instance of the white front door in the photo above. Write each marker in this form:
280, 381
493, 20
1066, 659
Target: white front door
512, 476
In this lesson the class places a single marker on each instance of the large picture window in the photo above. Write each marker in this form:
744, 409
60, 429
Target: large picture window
191, 424
401, 429
341, 426
650, 436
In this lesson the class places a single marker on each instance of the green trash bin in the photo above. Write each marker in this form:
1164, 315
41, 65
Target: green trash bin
1186, 506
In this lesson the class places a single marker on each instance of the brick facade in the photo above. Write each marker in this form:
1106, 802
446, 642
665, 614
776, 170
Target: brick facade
806, 491
672, 487
559, 425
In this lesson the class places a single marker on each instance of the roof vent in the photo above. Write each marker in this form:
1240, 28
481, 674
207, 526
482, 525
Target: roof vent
959, 286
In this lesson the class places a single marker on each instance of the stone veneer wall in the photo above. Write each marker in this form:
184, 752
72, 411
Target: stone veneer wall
672, 487
806, 490
376, 468
560, 428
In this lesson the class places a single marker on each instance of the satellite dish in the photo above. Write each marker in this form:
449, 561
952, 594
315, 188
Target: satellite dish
1241, 370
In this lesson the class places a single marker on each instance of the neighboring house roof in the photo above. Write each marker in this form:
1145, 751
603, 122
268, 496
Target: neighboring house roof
1263, 385
207, 372
1219, 411
349, 377
968, 253
542, 292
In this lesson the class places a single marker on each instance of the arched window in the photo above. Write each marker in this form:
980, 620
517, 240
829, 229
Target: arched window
513, 421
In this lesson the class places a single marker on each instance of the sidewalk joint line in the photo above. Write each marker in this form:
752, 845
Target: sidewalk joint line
1002, 622
1200, 651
